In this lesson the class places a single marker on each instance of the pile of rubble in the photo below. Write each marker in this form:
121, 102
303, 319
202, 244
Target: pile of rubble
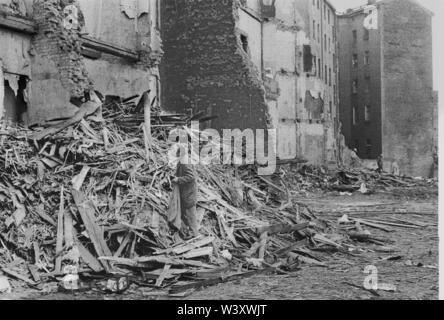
313, 178
83, 205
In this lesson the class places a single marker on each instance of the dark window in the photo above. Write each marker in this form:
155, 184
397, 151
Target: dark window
319, 69
366, 34
367, 58
329, 16
315, 66
326, 75
367, 114
319, 33
308, 59
355, 61
355, 86
318, 5
331, 108
354, 116
314, 29
244, 41
355, 36
367, 84
329, 77
325, 42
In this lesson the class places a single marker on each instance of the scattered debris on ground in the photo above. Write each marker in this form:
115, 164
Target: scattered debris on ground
85, 207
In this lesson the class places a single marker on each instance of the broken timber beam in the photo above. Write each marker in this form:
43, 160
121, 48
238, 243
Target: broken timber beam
86, 210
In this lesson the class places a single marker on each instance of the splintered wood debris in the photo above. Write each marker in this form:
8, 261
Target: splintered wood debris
82, 193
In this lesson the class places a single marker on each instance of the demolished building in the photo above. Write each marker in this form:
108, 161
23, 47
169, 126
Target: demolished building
256, 64
247, 64
58, 49
387, 103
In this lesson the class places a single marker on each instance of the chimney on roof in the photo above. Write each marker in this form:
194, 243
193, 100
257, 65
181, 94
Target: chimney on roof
371, 2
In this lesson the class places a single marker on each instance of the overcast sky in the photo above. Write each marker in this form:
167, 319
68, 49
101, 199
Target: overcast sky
437, 6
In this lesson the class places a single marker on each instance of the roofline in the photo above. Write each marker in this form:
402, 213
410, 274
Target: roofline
359, 10
330, 5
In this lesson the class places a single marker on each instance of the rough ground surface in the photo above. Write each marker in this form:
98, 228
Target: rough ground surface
415, 273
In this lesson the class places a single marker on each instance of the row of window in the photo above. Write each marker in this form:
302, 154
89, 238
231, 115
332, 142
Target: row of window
327, 11
367, 116
355, 85
366, 35
327, 76
355, 59
327, 44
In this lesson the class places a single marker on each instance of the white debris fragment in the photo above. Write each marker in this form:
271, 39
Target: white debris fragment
344, 219
5, 286
227, 255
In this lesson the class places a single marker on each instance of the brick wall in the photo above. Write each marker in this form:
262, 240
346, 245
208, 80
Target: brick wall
205, 67
61, 45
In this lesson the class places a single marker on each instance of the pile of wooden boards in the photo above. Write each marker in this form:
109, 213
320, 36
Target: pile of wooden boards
94, 195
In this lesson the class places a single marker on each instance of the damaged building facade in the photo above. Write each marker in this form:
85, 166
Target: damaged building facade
58, 49
290, 65
256, 64
387, 102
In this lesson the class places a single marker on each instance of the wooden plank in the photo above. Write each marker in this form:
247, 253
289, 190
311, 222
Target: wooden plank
33, 270
88, 258
69, 234
18, 276
163, 275
263, 247
201, 252
78, 180
211, 282
86, 210
123, 245
282, 228
188, 247
380, 222
141, 262
272, 184
85, 110
374, 225
60, 225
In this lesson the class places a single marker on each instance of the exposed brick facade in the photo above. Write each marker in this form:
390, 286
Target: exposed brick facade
205, 67
60, 45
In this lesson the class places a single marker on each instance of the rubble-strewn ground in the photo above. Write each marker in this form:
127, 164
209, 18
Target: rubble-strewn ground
414, 271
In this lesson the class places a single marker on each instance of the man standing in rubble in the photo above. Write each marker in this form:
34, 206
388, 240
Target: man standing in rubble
187, 182
380, 163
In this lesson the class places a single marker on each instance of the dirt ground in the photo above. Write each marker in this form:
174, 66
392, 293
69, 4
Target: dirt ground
412, 267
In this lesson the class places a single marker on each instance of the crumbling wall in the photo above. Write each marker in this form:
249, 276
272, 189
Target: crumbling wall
408, 102
58, 69
205, 67
17, 7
